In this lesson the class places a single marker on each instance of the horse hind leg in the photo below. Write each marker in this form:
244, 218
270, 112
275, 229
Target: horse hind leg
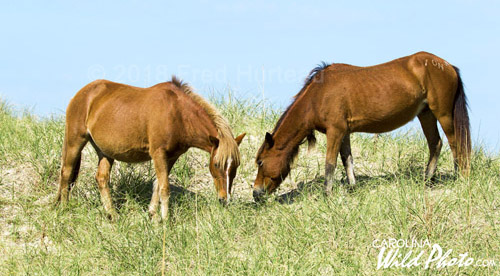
446, 122
429, 125
70, 166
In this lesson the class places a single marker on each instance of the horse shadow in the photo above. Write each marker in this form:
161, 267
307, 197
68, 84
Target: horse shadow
316, 185
141, 191
440, 179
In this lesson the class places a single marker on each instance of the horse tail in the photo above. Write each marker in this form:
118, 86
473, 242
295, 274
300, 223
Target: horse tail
462, 126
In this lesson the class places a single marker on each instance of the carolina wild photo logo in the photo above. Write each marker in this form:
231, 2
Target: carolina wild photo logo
423, 254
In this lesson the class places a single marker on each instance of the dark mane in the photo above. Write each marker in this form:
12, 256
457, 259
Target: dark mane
181, 85
311, 139
309, 79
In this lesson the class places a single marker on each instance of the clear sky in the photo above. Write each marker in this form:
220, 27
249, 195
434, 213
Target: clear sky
50, 49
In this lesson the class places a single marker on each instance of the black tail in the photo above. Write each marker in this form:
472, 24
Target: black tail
462, 126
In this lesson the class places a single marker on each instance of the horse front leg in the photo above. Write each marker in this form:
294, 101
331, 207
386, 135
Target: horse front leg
162, 189
102, 177
155, 200
347, 160
334, 140
155, 197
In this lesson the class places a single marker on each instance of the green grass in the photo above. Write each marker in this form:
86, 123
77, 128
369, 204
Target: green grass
298, 231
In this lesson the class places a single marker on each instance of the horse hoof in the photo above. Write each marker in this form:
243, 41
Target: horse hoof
350, 188
56, 202
155, 218
59, 202
152, 214
328, 191
113, 216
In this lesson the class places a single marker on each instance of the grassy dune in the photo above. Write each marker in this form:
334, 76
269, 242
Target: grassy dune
298, 231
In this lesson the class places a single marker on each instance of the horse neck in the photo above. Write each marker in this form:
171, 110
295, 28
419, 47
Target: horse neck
295, 126
201, 128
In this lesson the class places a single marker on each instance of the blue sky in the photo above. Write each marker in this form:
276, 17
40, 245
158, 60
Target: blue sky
50, 50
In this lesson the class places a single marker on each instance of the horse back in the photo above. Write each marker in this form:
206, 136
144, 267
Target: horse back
121, 119
383, 97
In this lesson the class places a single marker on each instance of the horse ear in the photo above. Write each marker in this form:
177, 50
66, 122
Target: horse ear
269, 140
240, 138
214, 141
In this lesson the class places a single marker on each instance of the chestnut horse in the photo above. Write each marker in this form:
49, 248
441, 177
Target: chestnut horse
134, 124
340, 99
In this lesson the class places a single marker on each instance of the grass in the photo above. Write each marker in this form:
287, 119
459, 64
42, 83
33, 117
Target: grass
298, 231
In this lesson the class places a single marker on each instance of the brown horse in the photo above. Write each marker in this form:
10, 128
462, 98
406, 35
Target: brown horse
134, 124
340, 99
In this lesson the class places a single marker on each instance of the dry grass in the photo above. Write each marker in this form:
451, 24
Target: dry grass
298, 231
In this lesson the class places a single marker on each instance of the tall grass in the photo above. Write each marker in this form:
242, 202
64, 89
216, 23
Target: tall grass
298, 231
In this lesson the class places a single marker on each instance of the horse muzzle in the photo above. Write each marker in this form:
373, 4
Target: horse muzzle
258, 195
223, 201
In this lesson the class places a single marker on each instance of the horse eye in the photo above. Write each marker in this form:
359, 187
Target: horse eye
259, 163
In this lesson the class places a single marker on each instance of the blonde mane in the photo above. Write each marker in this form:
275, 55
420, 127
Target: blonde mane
228, 148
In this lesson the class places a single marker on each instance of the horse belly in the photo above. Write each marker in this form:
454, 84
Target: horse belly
122, 141
129, 155
384, 119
